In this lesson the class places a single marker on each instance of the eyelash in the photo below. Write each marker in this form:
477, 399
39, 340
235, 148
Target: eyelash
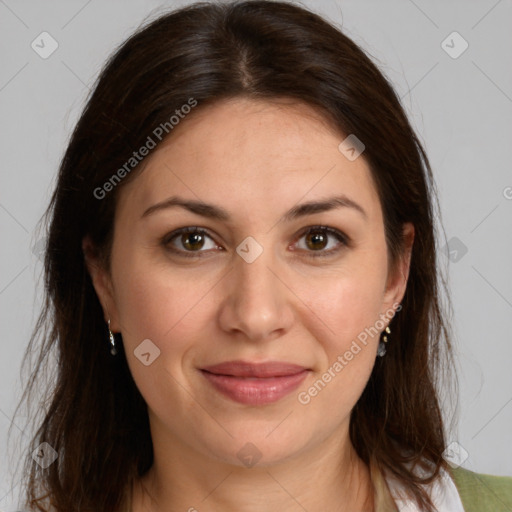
341, 237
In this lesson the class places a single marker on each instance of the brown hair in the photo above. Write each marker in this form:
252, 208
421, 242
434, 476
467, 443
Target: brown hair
95, 417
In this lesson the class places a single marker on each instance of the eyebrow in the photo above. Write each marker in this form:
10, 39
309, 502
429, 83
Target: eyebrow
218, 213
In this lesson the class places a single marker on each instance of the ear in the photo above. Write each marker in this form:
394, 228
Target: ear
397, 281
102, 283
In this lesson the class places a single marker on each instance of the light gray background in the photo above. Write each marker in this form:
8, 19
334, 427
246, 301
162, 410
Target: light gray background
461, 108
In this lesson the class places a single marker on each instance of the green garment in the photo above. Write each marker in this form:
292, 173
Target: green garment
483, 493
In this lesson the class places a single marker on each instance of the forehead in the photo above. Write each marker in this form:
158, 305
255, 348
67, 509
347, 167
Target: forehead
253, 156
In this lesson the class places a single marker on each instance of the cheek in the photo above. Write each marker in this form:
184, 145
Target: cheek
161, 306
348, 350
169, 313
346, 307
347, 300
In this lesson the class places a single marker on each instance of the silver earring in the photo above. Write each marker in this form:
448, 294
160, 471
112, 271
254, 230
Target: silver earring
381, 351
113, 349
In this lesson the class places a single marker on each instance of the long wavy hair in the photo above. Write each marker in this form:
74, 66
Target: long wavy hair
92, 413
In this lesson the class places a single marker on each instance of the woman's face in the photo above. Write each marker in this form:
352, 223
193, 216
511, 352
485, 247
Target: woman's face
289, 311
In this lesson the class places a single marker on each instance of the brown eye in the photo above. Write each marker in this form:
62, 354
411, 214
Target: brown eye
192, 241
318, 238
189, 241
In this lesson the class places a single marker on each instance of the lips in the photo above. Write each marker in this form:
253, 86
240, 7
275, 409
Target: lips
259, 370
255, 383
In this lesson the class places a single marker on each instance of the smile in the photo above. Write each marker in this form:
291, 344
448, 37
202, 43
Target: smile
255, 384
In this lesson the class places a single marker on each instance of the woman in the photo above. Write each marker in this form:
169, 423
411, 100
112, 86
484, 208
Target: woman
241, 283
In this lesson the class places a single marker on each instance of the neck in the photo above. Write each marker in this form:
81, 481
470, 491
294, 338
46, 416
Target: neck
328, 477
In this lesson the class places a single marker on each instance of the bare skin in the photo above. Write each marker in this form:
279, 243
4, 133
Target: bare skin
256, 160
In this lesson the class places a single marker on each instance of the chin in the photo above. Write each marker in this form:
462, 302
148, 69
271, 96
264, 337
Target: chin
258, 445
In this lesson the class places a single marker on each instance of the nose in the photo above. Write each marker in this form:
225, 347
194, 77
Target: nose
258, 303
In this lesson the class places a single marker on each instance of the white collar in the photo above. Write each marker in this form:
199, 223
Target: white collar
443, 492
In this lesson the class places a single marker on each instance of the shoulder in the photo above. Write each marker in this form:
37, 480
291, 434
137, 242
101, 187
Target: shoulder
480, 492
